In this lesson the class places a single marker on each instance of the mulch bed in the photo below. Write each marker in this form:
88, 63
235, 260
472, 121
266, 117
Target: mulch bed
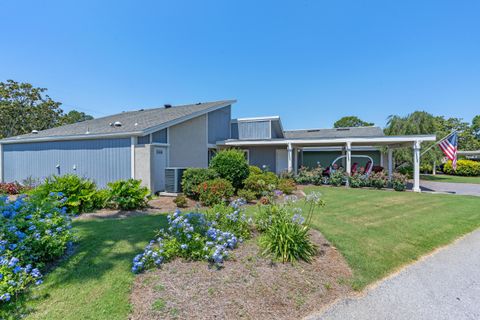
248, 287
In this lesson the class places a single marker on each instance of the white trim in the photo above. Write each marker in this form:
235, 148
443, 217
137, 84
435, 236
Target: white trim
168, 149
416, 166
212, 146
354, 148
160, 144
382, 140
206, 130
289, 158
268, 118
270, 126
1, 162
188, 117
133, 142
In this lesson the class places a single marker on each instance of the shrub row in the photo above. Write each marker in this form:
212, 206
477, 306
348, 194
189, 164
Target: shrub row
468, 168
82, 195
228, 174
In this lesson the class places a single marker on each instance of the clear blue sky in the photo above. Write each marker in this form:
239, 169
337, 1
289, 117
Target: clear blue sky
311, 62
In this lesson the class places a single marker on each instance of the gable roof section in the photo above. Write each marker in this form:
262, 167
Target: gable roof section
133, 123
358, 132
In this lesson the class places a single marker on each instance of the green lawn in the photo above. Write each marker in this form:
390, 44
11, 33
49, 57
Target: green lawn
379, 231
95, 282
448, 178
376, 231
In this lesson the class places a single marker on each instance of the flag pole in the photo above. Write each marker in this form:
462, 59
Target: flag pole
433, 145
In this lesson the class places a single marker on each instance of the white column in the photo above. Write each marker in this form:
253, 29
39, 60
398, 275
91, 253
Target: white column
133, 142
416, 166
295, 160
390, 163
289, 151
348, 150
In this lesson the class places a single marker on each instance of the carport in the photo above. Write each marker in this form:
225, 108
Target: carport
390, 143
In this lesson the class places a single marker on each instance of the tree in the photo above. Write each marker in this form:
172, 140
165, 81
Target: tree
476, 126
24, 108
421, 122
351, 121
75, 116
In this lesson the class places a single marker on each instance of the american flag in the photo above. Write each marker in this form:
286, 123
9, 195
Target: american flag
449, 148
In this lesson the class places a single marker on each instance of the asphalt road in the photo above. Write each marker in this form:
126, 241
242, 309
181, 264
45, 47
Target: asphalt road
456, 188
445, 285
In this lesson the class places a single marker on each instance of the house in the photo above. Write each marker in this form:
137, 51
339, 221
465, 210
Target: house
142, 144
137, 144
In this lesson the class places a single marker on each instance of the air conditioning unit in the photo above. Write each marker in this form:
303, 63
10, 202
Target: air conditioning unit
173, 179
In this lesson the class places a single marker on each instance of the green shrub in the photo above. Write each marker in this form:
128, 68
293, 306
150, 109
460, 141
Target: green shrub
180, 201
310, 176
261, 184
406, 170
254, 170
127, 194
467, 168
357, 180
378, 180
81, 193
215, 191
232, 166
248, 195
426, 168
287, 186
337, 178
399, 181
192, 177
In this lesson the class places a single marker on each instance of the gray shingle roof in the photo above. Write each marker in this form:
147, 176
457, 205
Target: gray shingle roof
131, 121
359, 132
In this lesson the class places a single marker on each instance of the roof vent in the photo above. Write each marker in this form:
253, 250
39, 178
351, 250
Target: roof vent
198, 103
141, 110
167, 106
117, 124
314, 130
34, 131
343, 129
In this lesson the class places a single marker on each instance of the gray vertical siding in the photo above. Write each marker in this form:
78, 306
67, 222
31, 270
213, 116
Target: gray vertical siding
219, 125
102, 160
259, 156
254, 130
234, 130
188, 143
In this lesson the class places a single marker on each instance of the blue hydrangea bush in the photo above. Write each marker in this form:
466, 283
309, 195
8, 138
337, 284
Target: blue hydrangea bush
33, 232
196, 236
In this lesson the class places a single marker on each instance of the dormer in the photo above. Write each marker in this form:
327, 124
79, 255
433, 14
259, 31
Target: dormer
260, 128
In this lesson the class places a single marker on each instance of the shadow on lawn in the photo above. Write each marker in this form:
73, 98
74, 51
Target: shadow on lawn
103, 245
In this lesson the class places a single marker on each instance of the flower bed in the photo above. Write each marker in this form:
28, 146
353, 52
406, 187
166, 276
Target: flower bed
196, 236
33, 232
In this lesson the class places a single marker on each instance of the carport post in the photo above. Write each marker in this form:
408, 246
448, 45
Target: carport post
348, 149
390, 163
289, 151
416, 166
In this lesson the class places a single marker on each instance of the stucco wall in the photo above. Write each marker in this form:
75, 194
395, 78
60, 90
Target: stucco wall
103, 160
188, 143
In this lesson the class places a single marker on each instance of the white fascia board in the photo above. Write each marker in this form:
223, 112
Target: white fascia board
372, 140
187, 117
253, 119
75, 137
339, 148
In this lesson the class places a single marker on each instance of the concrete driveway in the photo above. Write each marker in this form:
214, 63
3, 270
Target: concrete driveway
448, 187
444, 285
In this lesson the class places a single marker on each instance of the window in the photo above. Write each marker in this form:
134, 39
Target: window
246, 152
211, 153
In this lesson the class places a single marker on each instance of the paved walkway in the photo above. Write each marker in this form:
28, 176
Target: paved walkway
445, 285
456, 188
